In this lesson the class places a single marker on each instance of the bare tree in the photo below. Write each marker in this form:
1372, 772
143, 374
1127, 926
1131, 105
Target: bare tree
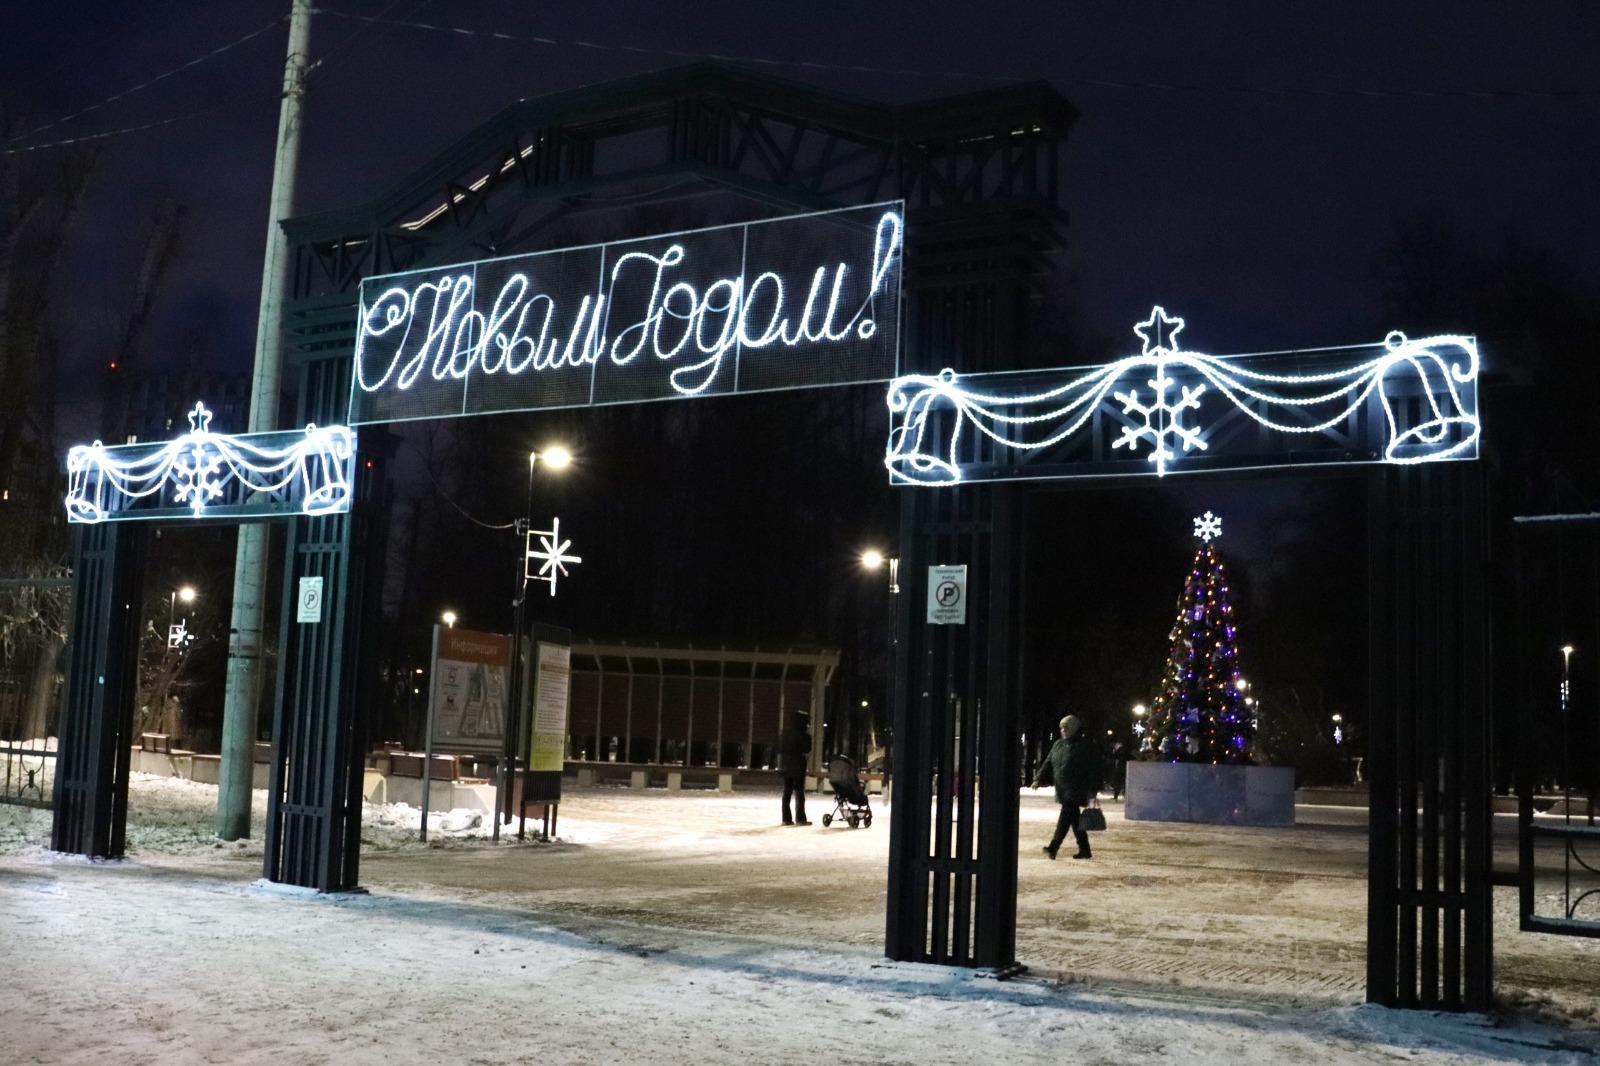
36, 217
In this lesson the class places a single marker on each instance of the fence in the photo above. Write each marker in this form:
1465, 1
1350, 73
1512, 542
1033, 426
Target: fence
34, 611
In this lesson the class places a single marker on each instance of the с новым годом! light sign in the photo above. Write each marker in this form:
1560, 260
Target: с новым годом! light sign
784, 303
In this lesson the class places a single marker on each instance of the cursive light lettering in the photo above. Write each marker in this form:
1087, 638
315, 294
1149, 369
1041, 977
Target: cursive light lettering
452, 325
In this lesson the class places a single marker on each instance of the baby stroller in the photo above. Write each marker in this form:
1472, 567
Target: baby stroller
849, 796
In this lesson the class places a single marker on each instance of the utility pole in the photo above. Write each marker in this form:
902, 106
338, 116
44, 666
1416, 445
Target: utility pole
250, 565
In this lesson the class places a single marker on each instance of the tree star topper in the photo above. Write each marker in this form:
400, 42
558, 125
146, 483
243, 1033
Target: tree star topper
552, 555
1208, 527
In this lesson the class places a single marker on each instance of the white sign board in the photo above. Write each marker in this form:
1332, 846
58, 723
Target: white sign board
947, 595
469, 690
552, 683
309, 602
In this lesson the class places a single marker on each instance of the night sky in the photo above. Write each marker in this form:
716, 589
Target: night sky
1241, 163
1253, 213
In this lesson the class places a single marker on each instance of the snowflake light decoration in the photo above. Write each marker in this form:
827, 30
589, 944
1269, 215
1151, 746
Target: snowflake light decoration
1208, 527
552, 555
197, 474
1163, 418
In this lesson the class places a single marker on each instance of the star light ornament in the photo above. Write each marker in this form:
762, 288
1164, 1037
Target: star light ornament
1163, 416
1208, 527
552, 555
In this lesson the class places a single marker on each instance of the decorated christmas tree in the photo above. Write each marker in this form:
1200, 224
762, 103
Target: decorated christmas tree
1200, 714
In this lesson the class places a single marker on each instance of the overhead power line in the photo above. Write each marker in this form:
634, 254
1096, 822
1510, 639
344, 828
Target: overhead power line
142, 85
111, 133
1099, 83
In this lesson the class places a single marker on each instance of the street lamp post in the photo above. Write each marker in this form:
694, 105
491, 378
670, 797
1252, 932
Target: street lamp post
1566, 722
1566, 676
871, 560
176, 637
448, 617
556, 458
1139, 728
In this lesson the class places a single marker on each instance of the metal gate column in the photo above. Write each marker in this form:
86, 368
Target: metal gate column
96, 727
953, 859
1429, 891
313, 836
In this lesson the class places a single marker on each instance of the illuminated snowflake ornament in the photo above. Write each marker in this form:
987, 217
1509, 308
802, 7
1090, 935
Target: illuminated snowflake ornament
195, 474
1163, 415
552, 555
1208, 527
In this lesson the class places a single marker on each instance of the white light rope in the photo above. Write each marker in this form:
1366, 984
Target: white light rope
443, 328
198, 468
1434, 368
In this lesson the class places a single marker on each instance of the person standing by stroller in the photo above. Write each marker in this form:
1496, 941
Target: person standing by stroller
1074, 767
794, 745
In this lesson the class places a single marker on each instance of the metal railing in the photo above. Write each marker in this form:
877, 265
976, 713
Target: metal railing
28, 772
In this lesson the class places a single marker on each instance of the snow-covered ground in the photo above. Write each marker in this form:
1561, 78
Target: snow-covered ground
667, 928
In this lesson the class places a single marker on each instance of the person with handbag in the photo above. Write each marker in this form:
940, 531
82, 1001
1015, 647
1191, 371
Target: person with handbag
1073, 766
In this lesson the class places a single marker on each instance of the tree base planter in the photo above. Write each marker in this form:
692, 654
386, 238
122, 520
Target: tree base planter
1201, 792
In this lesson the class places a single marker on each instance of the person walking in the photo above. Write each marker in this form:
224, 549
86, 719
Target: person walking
794, 746
1074, 768
1117, 769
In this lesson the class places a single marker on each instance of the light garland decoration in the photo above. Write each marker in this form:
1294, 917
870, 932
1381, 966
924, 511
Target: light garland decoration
308, 471
1442, 371
1208, 527
442, 329
552, 555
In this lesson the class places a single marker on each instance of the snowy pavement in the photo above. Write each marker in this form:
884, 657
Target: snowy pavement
689, 928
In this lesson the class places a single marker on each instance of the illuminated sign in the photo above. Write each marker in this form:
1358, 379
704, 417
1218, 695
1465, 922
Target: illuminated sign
204, 474
1168, 410
791, 302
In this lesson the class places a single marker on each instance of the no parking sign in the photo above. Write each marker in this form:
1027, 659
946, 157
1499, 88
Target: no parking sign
947, 595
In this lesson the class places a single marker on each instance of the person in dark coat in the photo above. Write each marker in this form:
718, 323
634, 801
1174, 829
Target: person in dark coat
794, 747
1074, 767
1117, 769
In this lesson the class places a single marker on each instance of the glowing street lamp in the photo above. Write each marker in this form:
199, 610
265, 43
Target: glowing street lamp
1338, 729
556, 457
178, 632
449, 619
872, 559
1566, 676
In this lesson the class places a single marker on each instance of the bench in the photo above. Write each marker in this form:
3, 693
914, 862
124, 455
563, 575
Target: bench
409, 764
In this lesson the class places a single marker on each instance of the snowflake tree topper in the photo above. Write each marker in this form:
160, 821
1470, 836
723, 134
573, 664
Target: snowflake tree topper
1163, 415
1208, 527
552, 555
